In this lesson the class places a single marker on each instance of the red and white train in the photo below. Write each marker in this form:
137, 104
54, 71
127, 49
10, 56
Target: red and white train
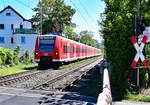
53, 49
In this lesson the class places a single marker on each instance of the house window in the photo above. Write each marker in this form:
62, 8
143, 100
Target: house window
12, 26
21, 26
1, 26
2, 40
8, 14
23, 39
12, 40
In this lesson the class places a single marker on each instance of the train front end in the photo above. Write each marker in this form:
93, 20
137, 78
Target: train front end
46, 50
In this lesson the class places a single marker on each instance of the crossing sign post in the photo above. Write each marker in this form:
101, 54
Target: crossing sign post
139, 50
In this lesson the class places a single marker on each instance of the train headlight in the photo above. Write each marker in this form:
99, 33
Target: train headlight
36, 53
56, 53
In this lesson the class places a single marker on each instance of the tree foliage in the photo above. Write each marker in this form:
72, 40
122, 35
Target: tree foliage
25, 58
55, 15
16, 51
11, 56
68, 30
86, 38
117, 25
3, 56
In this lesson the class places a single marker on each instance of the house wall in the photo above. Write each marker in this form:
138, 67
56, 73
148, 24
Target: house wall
14, 19
29, 43
7, 32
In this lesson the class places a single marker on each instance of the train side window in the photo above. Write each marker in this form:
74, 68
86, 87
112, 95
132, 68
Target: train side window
76, 50
64, 49
67, 49
61, 43
70, 49
73, 49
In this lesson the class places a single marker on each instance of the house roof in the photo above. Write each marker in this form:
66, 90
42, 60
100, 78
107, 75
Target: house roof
9, 7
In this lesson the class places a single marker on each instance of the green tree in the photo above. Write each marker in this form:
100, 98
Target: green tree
55, 15
25, 58
87, 39
16, 55
10, 55
3, 56
68, 30
117, 25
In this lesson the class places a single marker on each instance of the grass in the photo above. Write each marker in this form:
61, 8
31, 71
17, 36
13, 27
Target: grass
137, 97
15, 69
75, 63
21, 67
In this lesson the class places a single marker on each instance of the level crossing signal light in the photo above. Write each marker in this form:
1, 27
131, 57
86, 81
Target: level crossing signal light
139, 26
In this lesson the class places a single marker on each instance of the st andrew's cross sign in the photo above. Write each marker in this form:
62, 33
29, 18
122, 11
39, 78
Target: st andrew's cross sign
139, 50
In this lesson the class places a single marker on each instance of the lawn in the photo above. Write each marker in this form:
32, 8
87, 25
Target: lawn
75, 63
21, 67
137, 97
15, 69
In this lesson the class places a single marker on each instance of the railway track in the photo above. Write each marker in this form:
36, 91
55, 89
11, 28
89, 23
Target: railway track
65, 75
7, 77
35, 79
18, 77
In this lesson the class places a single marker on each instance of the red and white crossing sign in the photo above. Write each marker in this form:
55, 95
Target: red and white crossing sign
139, 50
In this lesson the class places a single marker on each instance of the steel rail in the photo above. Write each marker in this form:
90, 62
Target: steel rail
21, 78
3, 78
51, 81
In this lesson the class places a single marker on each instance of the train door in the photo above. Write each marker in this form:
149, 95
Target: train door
71, 50
80, 51
68, 48
64, 45
84, 51
75, 54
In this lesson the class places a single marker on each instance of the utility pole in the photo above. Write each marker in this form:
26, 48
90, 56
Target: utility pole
41, 16
137, 17
138, 7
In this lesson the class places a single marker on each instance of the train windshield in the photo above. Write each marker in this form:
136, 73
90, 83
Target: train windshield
46, 44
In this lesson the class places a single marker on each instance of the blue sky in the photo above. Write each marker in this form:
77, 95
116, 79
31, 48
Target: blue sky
87, 12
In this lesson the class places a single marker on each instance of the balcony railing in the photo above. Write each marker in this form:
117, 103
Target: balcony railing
24, 31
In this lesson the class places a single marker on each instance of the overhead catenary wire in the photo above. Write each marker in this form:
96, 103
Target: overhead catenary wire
81, 14
19, 1
4, 3
83, 7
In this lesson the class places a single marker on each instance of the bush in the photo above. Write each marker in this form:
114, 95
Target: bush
10, 55
2, 56
16, 59
16, 54
16, 50
25, 58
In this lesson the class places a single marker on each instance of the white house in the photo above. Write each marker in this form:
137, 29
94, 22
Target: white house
15, 30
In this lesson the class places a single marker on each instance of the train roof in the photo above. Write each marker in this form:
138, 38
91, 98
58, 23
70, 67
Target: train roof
67, 39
